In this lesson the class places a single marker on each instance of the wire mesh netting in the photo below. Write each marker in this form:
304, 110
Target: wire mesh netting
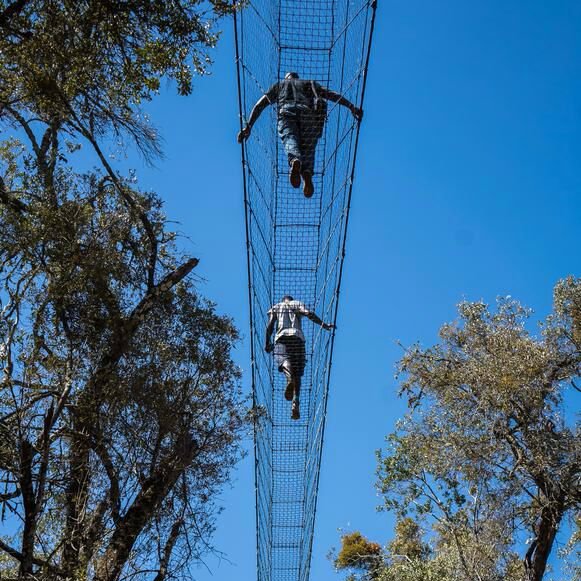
296, 247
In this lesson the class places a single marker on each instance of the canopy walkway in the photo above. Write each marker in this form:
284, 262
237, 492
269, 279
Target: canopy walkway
296, 246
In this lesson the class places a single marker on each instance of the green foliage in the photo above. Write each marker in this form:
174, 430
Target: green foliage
357, 552
120, 406
485, 451
416, 570
571, 552
408, 541
116, 368
361, 557
89, 64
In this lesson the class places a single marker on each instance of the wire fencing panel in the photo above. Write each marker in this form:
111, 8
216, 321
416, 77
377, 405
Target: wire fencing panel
296, 247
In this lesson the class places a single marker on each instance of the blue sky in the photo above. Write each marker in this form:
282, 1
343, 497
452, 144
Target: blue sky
467, 187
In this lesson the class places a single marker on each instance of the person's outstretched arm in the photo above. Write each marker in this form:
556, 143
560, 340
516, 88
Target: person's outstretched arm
268, 333
339, 99
271, 96
260, 106
318, 321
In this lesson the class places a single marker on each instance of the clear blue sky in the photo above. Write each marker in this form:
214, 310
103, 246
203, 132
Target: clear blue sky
467, 186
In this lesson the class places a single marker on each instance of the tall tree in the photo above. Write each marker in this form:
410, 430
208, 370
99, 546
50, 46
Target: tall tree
120, 409
487, 452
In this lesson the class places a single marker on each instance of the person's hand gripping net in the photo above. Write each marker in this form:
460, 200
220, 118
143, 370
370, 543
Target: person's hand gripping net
357, 113
243, 134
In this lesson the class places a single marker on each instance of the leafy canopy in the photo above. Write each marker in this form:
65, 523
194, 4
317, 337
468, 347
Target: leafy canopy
120, 405
488, 453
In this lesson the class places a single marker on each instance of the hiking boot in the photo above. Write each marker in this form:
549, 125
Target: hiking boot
290, 389
295, 173
308, 187
295, 410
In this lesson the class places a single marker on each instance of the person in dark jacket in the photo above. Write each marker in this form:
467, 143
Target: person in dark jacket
289, 344
301, 116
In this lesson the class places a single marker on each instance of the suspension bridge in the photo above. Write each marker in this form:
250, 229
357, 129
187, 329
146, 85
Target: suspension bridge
296, 246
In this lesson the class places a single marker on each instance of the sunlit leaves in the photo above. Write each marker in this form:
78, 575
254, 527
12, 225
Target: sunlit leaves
486, 450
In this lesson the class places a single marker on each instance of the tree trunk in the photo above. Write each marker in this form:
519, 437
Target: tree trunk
29, 502
540, 549
168, 550
76, 498
152, 494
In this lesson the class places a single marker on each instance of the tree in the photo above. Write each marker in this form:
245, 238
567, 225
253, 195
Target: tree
410, 558
120, 406
486, 453
359, 554
408, 542
406, 558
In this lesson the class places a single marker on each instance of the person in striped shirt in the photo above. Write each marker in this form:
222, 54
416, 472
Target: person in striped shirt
289, 344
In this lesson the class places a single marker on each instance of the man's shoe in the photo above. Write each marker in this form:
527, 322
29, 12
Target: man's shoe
295, 173
308, 188
295, 410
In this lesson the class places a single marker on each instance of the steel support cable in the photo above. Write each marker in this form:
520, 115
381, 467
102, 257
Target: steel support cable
302, 244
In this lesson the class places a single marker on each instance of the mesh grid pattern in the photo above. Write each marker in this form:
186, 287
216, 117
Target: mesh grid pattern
296, 247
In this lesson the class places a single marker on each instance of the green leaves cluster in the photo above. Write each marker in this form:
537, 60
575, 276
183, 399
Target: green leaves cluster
120, 405
357, 552
487, 454
88, 64
485, 469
